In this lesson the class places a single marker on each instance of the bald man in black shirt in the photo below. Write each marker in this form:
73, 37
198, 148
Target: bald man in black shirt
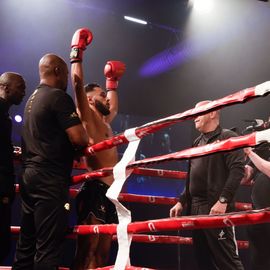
210, 189
52, 131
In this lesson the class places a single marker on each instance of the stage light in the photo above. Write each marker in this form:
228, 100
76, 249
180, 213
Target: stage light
135, 20
202, 6
18, 118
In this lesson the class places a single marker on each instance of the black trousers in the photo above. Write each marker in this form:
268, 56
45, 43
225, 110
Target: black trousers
259, 241
215, 249
44, 224
259, 234
5, 233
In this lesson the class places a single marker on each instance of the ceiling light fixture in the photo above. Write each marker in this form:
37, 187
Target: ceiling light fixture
135, 20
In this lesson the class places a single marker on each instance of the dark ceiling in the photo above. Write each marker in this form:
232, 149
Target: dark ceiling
178, 59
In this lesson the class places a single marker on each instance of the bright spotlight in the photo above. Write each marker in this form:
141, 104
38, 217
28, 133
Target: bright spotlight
202, 6
18, 118
135, 20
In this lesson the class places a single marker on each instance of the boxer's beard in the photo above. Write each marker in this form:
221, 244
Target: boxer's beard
103, 109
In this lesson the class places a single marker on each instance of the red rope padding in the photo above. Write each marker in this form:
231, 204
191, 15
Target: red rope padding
91, 175
73, 192
140, 171
15, 229
221, 146
160, 173
160, 239
127, 197
151, 239
169, 239
238, 97
182, 223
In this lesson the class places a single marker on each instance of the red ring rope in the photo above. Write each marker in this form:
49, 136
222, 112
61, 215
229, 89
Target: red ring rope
127, 197
140, 171
151, 239
236, 98
183, 223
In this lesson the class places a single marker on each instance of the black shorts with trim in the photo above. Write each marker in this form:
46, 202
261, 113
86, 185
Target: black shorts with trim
92, 200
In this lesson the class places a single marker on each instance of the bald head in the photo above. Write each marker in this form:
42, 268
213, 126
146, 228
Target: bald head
53, 71
204, 102
12, 87
8, 77
207, 122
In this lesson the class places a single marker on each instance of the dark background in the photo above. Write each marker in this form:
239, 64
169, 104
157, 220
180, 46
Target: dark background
180, 57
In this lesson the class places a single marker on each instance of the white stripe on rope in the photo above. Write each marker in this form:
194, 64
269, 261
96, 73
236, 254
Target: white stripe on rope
262, 89
262, 136
120, 175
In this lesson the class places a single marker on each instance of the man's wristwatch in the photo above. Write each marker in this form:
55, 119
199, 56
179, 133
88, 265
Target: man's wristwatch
222, 199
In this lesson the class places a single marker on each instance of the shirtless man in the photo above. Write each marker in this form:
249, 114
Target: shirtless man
96, 109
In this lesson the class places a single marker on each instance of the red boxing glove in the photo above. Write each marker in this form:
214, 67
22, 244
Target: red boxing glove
81, 38
113, 71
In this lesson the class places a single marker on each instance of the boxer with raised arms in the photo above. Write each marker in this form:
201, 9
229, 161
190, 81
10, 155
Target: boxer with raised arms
97, 109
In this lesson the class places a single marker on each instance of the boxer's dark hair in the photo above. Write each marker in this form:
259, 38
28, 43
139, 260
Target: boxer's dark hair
90, 87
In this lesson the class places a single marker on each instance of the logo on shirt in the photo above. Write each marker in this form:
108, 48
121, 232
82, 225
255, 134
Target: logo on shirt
31, 100
102, 209
74, 115
67, 206
221, 235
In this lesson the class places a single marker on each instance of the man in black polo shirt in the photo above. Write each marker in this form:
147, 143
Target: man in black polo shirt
12, 91
210, 189
52, 131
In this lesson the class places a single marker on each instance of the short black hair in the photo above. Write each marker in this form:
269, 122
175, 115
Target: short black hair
90, 87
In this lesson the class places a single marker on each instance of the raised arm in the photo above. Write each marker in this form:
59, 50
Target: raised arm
261, 164
113, 71
81, 38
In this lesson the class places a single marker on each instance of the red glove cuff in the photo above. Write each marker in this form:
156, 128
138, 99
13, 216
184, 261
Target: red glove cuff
111, 85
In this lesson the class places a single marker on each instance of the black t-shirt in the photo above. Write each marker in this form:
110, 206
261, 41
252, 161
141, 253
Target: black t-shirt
6, 148
261, 191
46, 146
198, 171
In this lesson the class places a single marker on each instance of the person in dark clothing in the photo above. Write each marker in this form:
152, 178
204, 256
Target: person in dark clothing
96, 203
210, 189
52, 131
259, 234
12, 91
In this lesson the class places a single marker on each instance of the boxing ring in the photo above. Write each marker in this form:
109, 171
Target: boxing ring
127, 231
